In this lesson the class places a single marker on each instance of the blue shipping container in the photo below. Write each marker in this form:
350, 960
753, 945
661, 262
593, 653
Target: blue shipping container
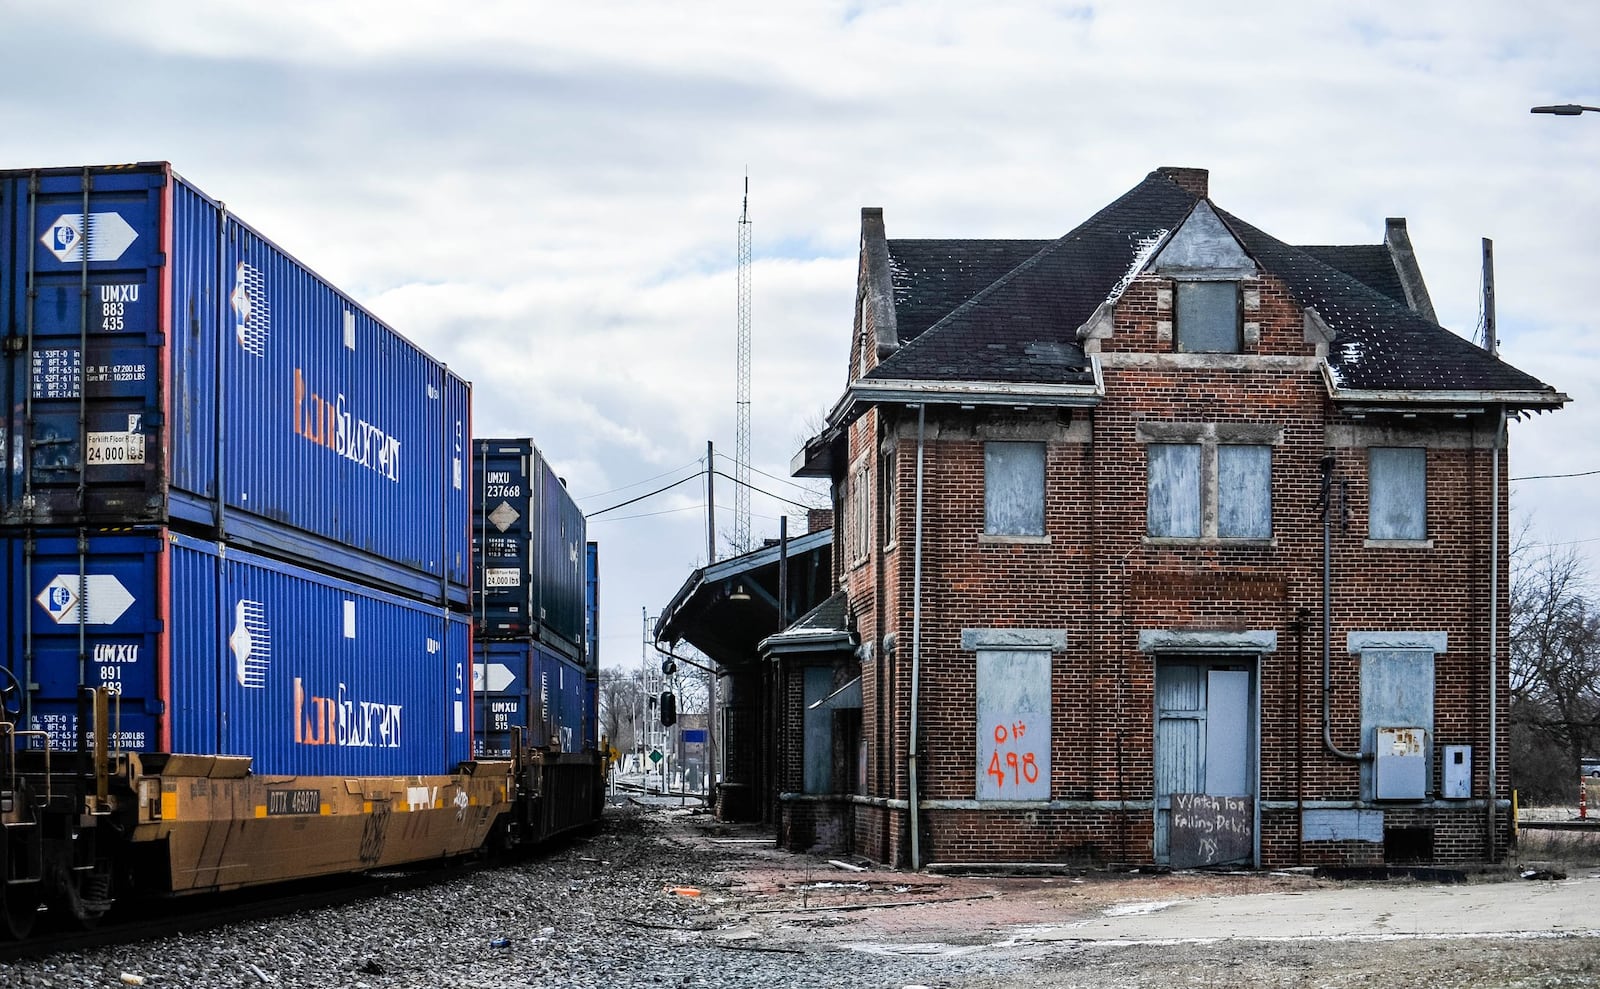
592, 610
215, 651
529, 538
504, 699
229, 390
522, 685
505, 516
563, 536
569, 697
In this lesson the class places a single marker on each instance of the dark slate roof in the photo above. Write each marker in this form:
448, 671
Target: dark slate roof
1380, 344
829, 616
1023, 327
932, 277
1370, 264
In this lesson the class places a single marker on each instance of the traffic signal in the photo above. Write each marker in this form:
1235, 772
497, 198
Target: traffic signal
668, 666
669, 709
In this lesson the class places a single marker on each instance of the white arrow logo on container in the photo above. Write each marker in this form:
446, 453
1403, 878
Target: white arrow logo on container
109, 236
498, 675
105, 599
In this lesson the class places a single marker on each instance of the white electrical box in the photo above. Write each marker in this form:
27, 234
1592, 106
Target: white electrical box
1457, 772
1400, 764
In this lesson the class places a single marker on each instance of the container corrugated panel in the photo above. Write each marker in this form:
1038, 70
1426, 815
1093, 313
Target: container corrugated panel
152, 302
503, 695
561, 564
217, 651
592, 609
505, 515
567, 696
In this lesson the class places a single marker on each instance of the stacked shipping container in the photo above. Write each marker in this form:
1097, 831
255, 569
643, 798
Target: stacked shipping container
289, 477
533, 604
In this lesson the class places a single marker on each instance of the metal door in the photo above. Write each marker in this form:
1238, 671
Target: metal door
1205, 762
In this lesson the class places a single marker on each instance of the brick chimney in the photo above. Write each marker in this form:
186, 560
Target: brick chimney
818, 519
1196, 181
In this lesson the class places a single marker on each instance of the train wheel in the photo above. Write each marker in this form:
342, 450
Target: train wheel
84, 898
19, 909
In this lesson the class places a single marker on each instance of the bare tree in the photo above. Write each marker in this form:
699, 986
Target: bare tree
1555, 670
621, 697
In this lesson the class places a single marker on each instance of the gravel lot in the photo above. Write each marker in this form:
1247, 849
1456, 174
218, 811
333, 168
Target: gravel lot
668, 898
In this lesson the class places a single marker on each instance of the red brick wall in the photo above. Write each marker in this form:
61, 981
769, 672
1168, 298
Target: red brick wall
1099, 580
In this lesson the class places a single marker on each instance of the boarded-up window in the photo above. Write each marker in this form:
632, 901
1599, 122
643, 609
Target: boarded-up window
1013, 489
1244, 492
887, 474
1206, 316
1398, 504
1200, 490
1013, 724
1174, 499
818, 744
860, 517
1397, 691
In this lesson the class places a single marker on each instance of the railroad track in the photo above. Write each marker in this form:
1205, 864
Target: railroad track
1591, 824
154, 919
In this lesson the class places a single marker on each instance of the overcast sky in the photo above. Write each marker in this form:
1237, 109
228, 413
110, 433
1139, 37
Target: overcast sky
546, 196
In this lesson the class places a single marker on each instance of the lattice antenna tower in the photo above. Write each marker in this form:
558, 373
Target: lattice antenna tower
741, 487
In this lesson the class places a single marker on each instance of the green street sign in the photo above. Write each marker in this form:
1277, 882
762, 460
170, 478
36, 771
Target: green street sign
655, 755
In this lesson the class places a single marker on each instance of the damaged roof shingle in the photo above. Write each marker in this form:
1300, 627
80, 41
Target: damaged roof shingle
1008, 311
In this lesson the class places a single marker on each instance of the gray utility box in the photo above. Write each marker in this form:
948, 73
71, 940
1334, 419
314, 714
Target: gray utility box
1400, 764
1457, 772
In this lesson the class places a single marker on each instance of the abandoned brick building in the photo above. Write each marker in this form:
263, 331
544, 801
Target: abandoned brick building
1165, 542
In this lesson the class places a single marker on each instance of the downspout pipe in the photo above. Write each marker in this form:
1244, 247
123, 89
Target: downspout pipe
1327, 615
916, 652
1494, 634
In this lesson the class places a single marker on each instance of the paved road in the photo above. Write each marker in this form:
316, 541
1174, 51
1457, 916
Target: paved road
1356, 912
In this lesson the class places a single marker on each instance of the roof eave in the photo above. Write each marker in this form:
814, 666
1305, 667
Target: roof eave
904, 391
826, 640
1512, 398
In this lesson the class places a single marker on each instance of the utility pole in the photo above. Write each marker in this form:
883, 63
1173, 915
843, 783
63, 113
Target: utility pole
1490, 343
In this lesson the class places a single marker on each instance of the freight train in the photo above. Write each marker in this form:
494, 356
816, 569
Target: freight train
267, 609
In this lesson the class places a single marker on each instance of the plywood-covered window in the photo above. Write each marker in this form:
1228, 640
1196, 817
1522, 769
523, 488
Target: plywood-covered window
1174, 490
1013, 489
1397, 507
1244, 492
1013, 694
860, 521
1200, 490
1206, 317
887, 479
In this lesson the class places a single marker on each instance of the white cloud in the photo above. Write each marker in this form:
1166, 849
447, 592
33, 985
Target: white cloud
546, 196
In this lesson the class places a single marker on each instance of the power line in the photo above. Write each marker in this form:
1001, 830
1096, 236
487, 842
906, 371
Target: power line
1569, 542
774, 477
646, 480
647, 515
1546, 477
769, 494
648, 494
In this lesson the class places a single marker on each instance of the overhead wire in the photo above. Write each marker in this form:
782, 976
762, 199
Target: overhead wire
1546, 477
599, 494
647, 494
769, 494
695, 476
783, 480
